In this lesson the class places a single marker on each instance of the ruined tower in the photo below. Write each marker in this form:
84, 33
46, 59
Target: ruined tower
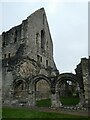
27, 51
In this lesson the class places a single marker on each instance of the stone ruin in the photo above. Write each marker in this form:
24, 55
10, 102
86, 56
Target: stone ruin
29, 72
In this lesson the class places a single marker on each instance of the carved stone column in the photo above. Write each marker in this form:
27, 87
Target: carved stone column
55, 100
31, 99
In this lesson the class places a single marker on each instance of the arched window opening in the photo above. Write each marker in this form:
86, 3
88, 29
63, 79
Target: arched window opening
46, 63
15, 39
20, 91
43, 18
5, 55
9, 55
39, 59
43, 39
3, 44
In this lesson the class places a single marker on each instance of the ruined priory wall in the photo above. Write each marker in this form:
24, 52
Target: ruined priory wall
36, 23
86, 82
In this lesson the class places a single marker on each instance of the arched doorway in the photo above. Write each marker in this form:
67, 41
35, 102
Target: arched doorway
69, 90
20, 91
41, 91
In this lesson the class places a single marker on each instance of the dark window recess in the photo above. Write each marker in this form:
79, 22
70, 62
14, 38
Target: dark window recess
42, 39
15, 39
43, 18
9, 55
4, 55
46, 62
41, 59
38, 58
3, 44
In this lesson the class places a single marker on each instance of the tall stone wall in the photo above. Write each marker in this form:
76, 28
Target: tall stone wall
27, 58
27, 51
39, 38
83, 74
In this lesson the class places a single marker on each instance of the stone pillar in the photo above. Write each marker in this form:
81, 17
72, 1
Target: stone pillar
82, 98
11, 96
8, 100
55, 99
31, 99
86, 79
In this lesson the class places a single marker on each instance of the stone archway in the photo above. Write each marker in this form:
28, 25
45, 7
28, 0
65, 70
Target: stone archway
37, 93
20, 91
66, 77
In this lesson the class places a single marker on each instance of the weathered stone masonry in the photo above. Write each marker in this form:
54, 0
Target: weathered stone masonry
83, 74
28, 65
27, 51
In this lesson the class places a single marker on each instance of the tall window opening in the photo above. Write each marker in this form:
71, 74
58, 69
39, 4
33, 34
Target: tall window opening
38, 58
41, 59
43, 39
47, 63
43, 18
4, 55
3, 44
9, 55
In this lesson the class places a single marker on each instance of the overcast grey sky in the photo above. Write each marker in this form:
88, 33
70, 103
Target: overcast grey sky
68, 23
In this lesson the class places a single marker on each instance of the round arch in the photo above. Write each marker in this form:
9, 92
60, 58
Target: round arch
34, 91
20, 89
16, 81
69, 77
35, 79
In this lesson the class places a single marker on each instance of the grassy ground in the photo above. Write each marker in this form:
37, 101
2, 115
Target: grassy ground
69, 100
14, 113
43, 103
64, 100
28, 113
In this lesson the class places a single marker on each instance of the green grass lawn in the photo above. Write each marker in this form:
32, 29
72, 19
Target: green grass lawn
69, 100
64, 100
43, 103
28, 113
